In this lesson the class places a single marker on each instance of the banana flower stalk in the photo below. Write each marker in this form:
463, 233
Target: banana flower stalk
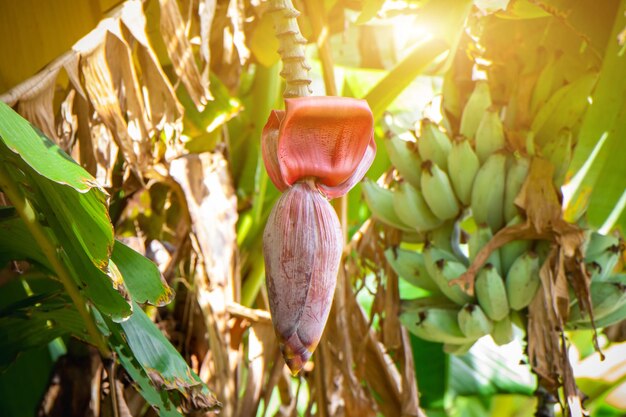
314, 151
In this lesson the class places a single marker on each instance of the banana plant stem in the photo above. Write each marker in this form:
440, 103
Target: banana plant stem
291, 50
26, 211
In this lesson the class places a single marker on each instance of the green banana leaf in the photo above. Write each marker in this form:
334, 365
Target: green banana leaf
141, 276
598, 158
16, 242
50, 164
432, 373
25, 382
488, 369
70, 206
163, 376
484, 371
30, 321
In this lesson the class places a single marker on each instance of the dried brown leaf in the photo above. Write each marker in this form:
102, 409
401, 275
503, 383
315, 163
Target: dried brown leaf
206, 13
162, 107
212, 206
68, 124
410, 392
100, 87
262, 349
36, 104
180, 52
373, 364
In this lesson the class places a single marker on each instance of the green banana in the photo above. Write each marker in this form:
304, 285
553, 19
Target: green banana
416, 305
409, 264
545, 85
447, 271
563, 109
522, 280
438, 191
478, 240
597, 244
380, 202
433, 144
473, 321
479, 101
515, 177
502, 332
604, 264
434, 324
513, 250
488, 192
606, 297
456, 349
447, 237
412, 209
602, 254
404, 155
489, 135
443, 267
559, 153
463, 165
491, 293
617, 315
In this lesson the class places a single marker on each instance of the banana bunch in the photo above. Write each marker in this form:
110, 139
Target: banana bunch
451, 316
456, 191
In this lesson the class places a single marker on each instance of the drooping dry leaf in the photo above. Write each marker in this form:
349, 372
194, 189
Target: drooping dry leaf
235, 8
212, 205
206, 12
373, 363
261, 349
100, 88
36, 104
181, 54
410, 392
132, 98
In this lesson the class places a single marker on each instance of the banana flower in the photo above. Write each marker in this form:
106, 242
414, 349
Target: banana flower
314, 151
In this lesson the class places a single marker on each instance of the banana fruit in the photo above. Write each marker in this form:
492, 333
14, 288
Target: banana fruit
434, 324
606, 297
515, 177
489, 135
443, 267
463, 165
522, 280
478, 102
488, 192
433, 144
404, 155
412, 209
559, 152
473, 321
545, 85
602, 255
563, 109
512, 250
455, 349
478, 240
409, 264
502, 332
438, 191
491, 293
380, 202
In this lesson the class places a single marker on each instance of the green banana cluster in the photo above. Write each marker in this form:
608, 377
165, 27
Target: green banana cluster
451, 316
455, 191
